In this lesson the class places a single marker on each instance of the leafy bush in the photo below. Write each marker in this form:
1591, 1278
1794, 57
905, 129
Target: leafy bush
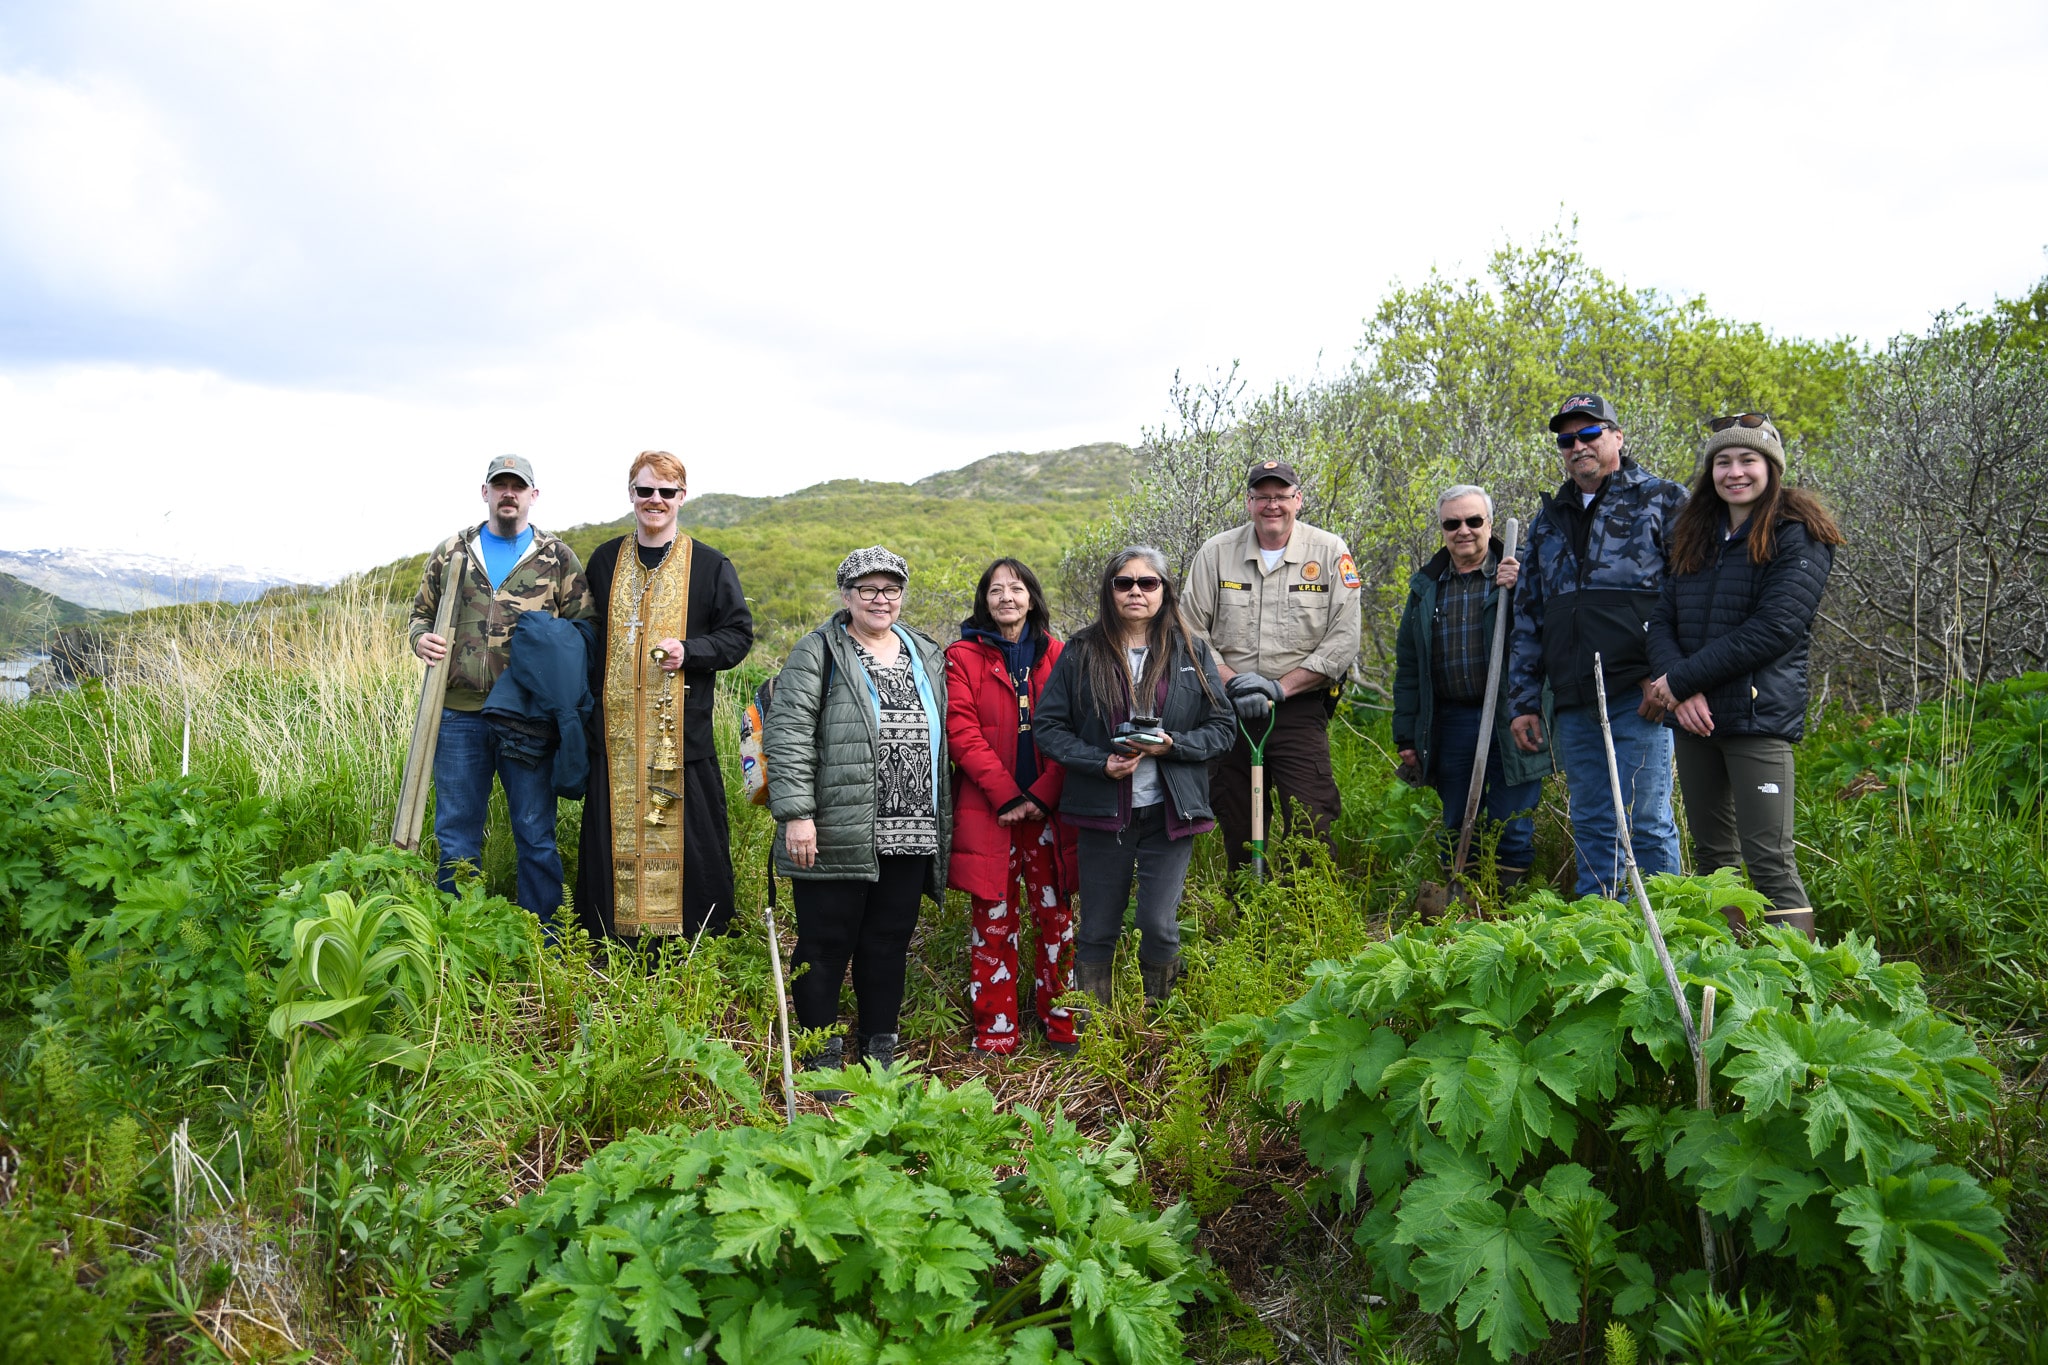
1476, 1077
886, 1232
1992, 739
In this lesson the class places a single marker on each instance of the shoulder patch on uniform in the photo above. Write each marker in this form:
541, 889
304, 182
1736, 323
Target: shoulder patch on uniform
1347, 572
1233, 585
1311, 571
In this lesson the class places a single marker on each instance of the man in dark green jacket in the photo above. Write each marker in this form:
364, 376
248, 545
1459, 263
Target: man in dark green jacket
1441, 657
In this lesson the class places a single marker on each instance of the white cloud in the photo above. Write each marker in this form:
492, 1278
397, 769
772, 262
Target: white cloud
816, 241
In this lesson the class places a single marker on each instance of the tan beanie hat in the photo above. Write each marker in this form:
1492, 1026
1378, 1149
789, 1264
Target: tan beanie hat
1763, 439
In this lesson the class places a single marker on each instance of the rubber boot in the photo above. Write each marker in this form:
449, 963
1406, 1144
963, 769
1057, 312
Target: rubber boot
829, 1057
1510, 878
1800, 919
1094, 978
1738, 920
1159, 978
879, 1048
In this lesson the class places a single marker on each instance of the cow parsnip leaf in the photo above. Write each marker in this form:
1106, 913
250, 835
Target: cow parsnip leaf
1501, 1268
1937, 1225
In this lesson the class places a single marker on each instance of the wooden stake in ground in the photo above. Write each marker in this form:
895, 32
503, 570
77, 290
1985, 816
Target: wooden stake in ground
426, 724
1656, 931
1432, 898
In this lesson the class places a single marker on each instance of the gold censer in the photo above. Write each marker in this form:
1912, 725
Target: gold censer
664, 764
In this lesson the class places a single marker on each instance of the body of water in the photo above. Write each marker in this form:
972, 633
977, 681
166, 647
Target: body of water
12, 673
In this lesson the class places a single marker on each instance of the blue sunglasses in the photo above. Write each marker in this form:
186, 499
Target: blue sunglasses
1589, 434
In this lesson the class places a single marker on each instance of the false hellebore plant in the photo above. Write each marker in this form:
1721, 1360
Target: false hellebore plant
1517, 1097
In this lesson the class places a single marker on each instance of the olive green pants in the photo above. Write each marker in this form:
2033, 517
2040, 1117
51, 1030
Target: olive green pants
1738, 800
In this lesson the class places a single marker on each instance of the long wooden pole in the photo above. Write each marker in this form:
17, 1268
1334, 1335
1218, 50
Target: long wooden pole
1493, 666
426, 724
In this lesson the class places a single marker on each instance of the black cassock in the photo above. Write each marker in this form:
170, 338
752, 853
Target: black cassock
719, 635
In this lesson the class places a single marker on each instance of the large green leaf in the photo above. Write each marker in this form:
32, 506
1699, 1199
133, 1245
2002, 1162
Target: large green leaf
1939, 1222
1501, 1268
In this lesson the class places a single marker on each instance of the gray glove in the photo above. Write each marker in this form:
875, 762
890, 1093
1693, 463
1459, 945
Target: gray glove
1253, 696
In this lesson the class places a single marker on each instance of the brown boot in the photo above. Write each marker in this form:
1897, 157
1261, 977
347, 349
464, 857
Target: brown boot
1738, 921
1800, 919
1159, 978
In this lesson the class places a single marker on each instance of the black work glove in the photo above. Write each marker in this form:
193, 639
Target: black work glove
1253, 696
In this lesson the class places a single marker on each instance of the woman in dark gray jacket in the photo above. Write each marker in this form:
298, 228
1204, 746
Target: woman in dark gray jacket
856, 749
1750, 557
1136, 794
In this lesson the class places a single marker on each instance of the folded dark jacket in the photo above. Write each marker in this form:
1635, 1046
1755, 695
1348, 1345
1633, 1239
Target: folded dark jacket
540, 702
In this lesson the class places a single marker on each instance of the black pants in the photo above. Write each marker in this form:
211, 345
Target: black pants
863, 924
1297, 769
1738, 800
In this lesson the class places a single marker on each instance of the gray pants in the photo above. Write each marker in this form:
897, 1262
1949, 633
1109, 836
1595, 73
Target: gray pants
1107, 861
1738, 800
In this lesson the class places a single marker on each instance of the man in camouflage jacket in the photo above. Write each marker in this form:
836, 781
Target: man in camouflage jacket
500, 570
1592, 574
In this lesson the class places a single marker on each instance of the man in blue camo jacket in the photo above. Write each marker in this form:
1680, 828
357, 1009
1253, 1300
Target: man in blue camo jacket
1592, 573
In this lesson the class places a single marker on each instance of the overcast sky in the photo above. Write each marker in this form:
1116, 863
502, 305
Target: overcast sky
276, 280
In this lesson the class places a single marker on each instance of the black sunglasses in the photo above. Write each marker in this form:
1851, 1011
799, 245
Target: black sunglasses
1740, 419
641, 490
1453, 523
1589, 434
1145, 583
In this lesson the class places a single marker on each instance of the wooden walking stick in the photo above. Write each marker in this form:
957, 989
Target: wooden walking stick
1431, 898
781, 999
1656, 931
426, 725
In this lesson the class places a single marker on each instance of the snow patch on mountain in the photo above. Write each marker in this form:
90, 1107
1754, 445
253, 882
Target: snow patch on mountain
124, 580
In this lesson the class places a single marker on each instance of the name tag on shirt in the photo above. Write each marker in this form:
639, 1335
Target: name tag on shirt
1308, 587
1233, 586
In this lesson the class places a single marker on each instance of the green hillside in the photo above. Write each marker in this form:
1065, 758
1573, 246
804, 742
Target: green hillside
948, 526
28, 614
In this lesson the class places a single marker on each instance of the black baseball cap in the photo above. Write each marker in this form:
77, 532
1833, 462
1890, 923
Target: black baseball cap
1588, 405
1271, 469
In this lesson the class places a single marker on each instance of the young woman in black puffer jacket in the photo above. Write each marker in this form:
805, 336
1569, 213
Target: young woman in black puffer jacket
1749, 560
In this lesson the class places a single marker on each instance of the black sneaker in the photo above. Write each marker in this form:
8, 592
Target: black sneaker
830, 1057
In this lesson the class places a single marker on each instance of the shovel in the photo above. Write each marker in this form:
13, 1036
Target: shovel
1259, 792
1432, 899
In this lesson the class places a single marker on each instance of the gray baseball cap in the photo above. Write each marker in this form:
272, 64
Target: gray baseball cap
511, 464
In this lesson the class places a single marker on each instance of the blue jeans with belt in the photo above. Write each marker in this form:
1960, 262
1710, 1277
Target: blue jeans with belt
1642, 751
465, 761
1500, 802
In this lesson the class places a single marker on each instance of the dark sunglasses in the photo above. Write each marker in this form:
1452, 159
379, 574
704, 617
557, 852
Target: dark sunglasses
1145, 583
641, 490
1589, 434
1453, 523
1740, 419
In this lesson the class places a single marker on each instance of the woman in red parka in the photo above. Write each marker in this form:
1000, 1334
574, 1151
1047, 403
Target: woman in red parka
1010, 849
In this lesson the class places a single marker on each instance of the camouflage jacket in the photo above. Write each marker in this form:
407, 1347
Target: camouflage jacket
548, 578
1592, 577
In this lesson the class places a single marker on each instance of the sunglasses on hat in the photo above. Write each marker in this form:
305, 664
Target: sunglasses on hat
1740, 419
1589, 434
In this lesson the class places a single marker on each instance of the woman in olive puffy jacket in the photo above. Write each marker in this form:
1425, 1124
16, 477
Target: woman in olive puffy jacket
856, 750
1750, 557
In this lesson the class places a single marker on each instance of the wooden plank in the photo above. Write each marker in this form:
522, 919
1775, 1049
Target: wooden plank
426, 725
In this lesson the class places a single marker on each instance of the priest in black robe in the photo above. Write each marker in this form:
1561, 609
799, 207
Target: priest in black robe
655, 857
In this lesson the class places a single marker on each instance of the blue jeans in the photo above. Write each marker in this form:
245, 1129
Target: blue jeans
1457, 745
464, 762
1642, 751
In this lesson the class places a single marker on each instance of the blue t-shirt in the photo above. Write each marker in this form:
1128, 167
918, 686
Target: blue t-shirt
501, 556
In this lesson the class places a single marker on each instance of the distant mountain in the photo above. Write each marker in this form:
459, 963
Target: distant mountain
28, 615
121, 580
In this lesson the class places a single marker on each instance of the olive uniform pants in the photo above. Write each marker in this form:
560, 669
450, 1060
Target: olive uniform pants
1297, 769
1738, 800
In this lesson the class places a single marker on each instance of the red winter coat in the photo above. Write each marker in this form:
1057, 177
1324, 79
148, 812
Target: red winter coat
981, 735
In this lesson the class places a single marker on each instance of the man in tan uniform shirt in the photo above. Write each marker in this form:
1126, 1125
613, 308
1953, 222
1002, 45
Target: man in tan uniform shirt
1277, 599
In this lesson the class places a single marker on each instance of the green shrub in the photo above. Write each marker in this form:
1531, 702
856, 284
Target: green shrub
888, 1231
1476, 1077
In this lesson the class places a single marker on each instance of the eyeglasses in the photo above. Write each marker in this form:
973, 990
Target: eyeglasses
1589, 434
641, 490
1275, 499
1453, 523
1740, 419
878, 592
1143, 583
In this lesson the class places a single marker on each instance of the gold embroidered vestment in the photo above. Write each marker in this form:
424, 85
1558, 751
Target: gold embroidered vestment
642, 703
